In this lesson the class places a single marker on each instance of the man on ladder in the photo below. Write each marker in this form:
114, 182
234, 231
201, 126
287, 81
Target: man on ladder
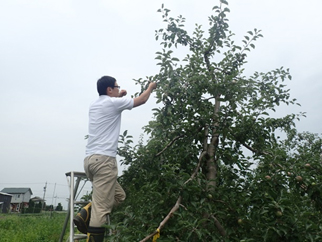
100, 162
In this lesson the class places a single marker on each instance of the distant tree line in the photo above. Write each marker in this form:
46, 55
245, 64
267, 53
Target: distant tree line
37, 207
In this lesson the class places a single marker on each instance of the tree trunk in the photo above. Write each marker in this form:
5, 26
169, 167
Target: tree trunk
211, 161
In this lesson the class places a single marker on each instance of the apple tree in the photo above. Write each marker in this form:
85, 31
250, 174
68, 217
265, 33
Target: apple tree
214, 167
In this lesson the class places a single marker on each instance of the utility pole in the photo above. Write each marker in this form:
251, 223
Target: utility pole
52, 204
45, 187
52, 201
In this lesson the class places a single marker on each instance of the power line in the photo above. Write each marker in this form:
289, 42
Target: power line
22, 183
28, 183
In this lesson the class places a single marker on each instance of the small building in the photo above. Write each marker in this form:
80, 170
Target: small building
38, 200
20, 197
5, 200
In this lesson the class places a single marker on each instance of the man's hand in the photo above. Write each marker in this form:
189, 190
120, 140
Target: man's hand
122, 93
153, 85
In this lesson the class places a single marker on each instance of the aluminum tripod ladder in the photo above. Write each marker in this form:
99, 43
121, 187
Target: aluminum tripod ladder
73, 179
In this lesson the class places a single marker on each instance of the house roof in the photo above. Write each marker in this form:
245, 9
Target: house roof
15, 190
6, 194
37, 199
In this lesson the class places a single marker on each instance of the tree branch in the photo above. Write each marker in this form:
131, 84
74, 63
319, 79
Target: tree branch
165, 220
249, 147
219, 226
254, 150
172, 142
169, 144
197, 168
205, 141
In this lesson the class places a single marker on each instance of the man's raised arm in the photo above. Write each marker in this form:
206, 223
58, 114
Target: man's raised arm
145, 95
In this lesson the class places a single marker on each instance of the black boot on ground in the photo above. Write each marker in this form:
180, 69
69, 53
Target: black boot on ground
81, 220
95, 234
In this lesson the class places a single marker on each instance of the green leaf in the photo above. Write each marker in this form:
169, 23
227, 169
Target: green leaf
224, 2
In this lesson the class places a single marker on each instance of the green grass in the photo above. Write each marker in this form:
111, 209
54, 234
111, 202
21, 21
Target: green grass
44, 227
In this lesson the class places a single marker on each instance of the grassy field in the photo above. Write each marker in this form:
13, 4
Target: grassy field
44, 227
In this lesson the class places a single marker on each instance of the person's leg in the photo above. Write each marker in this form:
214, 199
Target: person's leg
81, 220
95, 234
119, 194
86, 168
104, 170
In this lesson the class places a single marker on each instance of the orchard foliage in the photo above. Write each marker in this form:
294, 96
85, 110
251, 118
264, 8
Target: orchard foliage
214, 167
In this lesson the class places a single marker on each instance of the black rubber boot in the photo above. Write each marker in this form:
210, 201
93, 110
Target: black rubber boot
95, 234
81, 219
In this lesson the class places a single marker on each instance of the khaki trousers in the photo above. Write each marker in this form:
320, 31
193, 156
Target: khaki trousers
107, 192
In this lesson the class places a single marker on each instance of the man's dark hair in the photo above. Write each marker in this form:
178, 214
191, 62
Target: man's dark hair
103, 83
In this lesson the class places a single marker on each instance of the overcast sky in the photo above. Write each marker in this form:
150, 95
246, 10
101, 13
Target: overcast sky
53, 51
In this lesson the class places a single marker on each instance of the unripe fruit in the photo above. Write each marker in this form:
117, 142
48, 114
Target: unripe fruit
307, 165
299, 178
240, 221
279, 214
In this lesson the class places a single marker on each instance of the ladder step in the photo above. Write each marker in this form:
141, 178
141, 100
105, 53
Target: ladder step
80, 236
78, 177
77, 174
81, 202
